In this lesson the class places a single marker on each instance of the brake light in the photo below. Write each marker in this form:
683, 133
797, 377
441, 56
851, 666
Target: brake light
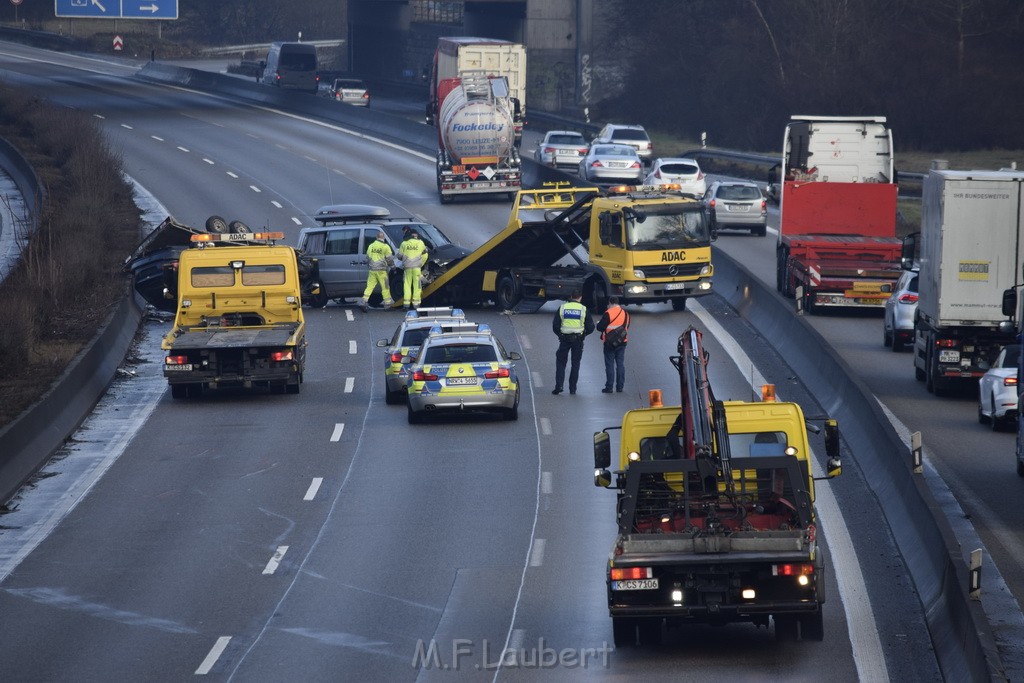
176, 360
946, 343
635, 164
583, 150
396, 357
366, 95
908, 298
597, 163
700, 175
711, 203
496, 374
657, 174
279, 356
1009, 381
764, 206
549, 150
420, 376
625, 573
792, 569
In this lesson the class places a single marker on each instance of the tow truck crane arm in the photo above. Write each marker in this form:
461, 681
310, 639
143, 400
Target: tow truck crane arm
704, 432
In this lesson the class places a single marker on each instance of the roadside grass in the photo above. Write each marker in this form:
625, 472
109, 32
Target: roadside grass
69, 277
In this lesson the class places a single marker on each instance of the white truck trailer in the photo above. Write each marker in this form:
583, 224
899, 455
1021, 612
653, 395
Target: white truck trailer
971, 250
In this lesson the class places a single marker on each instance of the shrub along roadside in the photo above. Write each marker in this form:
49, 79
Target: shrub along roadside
69, 277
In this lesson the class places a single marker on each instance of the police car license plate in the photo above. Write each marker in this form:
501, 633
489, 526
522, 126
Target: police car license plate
461, 381
173, 368
635, 585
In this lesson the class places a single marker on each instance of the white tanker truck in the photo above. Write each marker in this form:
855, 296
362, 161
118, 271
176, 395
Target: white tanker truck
476, 151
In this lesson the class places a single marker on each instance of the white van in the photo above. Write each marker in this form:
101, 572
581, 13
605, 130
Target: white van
292, 66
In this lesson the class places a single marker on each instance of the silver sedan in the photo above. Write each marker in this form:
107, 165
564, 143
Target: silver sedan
611, 163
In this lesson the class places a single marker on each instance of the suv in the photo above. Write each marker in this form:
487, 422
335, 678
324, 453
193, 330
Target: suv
339, 246
634, 136
463, 370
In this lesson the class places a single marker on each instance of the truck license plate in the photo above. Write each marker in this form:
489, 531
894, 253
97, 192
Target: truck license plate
635, 585
178, 368
949, 356
675, 285
461, 381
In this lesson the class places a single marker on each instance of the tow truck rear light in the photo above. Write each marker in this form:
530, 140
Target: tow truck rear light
792, 569
627, 573
496, 374
176, 360
279, 356
908, 298
768, 392
947, 343
420, 376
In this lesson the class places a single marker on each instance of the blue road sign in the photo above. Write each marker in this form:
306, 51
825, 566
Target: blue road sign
117, 9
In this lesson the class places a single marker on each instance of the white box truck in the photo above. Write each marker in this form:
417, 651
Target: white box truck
971, 251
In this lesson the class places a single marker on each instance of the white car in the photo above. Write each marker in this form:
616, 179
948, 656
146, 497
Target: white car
997, 390
561, 148
686, 172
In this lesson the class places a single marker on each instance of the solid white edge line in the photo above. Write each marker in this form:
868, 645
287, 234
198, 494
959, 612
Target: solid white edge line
519, 634
868, 656
314, 487
275, 560
213, 656
338, 429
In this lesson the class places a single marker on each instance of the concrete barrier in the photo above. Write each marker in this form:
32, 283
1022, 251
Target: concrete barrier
961, 635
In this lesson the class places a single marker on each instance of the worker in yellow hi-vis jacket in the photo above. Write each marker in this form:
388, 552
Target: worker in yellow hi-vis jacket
381, 258
413, 253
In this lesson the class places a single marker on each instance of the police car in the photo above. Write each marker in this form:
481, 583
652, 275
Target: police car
406, 343
463, 370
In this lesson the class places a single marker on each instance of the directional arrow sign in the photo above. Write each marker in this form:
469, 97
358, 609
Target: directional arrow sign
117, 9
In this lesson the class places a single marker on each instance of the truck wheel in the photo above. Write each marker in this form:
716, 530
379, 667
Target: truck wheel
216, 224
649, 632
238, 226
506, 293
785, 628
679, 304
179, 391
812, 627
415, 417
624, 631
598, 299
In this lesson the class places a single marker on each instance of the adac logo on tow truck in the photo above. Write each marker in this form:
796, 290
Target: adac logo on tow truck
671, 256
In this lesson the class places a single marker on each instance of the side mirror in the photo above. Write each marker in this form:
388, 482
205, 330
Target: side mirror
834, 464
383, 343
602, 478
1010, 302
514, 355
602, 450
909, 251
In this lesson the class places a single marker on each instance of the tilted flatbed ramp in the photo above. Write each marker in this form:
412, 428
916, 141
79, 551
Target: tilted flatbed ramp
546, 226
227, 337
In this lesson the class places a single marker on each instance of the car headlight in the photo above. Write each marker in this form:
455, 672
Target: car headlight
706, 270
639, 275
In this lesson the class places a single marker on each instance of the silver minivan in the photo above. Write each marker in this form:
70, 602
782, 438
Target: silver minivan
339, 246
293, 66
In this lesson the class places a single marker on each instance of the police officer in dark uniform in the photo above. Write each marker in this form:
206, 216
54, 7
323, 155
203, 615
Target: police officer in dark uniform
571, 325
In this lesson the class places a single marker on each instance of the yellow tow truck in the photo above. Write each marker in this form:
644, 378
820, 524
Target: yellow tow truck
644, 244
715, 511
238, 315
